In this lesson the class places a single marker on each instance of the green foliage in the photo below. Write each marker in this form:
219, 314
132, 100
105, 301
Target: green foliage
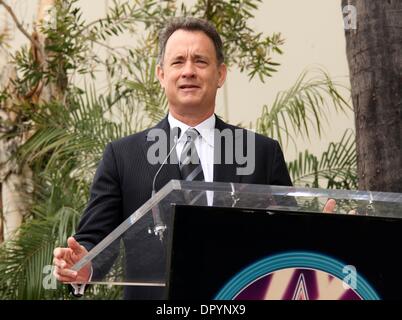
301, 108
69, 129
54, 216
65, 44
29, 71
25, 262
251, 52
76, 136
143, 84
336, 167
66, 48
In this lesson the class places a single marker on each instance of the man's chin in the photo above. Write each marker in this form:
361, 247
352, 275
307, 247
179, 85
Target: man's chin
191, 110
190, 103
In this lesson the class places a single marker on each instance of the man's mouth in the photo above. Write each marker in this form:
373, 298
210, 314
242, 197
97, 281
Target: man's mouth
188, 87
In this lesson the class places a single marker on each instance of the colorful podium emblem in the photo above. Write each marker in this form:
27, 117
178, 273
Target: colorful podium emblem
298, 276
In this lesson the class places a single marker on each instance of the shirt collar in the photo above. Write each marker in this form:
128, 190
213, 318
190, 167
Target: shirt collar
205, 128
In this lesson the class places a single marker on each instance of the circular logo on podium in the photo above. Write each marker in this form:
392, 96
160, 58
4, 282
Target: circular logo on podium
298, 276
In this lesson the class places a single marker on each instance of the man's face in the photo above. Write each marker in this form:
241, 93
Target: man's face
190, 73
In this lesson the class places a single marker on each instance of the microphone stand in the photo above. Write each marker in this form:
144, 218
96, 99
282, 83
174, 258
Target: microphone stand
159, 227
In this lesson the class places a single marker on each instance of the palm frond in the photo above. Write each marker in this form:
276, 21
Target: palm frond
145, 87
302, 108
335, 169
77, 134
24, 259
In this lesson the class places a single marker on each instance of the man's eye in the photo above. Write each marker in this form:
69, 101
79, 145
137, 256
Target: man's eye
201, 61
176, 62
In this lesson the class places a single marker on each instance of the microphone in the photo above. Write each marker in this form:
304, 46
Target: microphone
176, 139
159, 226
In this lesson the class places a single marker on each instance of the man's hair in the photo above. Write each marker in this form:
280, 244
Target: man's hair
190, 24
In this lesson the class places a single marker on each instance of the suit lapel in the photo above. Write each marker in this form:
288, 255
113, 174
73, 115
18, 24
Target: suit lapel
170, 169
224, 171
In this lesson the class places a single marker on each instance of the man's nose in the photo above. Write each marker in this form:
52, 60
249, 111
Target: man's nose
188, 70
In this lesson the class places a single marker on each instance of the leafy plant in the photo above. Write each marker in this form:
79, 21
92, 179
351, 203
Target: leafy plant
336, 167
302, 107
68, 117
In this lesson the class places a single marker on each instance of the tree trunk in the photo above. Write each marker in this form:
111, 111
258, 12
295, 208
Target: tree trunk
374, 52
3, 32
13, 178
1, 216
16, 178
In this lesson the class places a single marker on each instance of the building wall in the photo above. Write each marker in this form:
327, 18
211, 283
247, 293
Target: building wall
314, 37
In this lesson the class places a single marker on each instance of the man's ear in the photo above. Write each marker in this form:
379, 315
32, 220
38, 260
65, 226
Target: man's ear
222, 70
161, 75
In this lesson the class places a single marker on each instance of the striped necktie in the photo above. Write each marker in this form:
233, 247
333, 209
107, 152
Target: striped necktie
190, 165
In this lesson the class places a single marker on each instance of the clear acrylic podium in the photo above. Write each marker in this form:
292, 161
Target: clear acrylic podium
239, 241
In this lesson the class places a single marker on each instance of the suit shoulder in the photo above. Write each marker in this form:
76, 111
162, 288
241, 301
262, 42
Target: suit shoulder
259, 138
132, 139
266, 140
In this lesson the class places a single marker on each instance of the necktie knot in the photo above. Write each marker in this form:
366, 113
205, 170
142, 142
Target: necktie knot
191, 134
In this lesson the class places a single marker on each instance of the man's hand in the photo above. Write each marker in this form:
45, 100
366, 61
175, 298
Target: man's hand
330, 207
65, 258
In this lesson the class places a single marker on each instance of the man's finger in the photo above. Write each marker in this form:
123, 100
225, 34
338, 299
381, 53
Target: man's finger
59, 263
329, 206
60, 252
68, 273
63, 279
75, 246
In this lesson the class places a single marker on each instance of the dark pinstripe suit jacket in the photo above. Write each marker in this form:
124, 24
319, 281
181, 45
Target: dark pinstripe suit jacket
123, 182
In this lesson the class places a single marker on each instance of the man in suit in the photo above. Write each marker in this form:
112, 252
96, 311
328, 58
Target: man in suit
191, 69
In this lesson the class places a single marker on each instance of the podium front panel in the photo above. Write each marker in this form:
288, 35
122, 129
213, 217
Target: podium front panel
235, 253
137, 254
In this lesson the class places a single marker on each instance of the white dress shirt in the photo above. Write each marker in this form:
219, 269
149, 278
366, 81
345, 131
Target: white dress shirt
204, 144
